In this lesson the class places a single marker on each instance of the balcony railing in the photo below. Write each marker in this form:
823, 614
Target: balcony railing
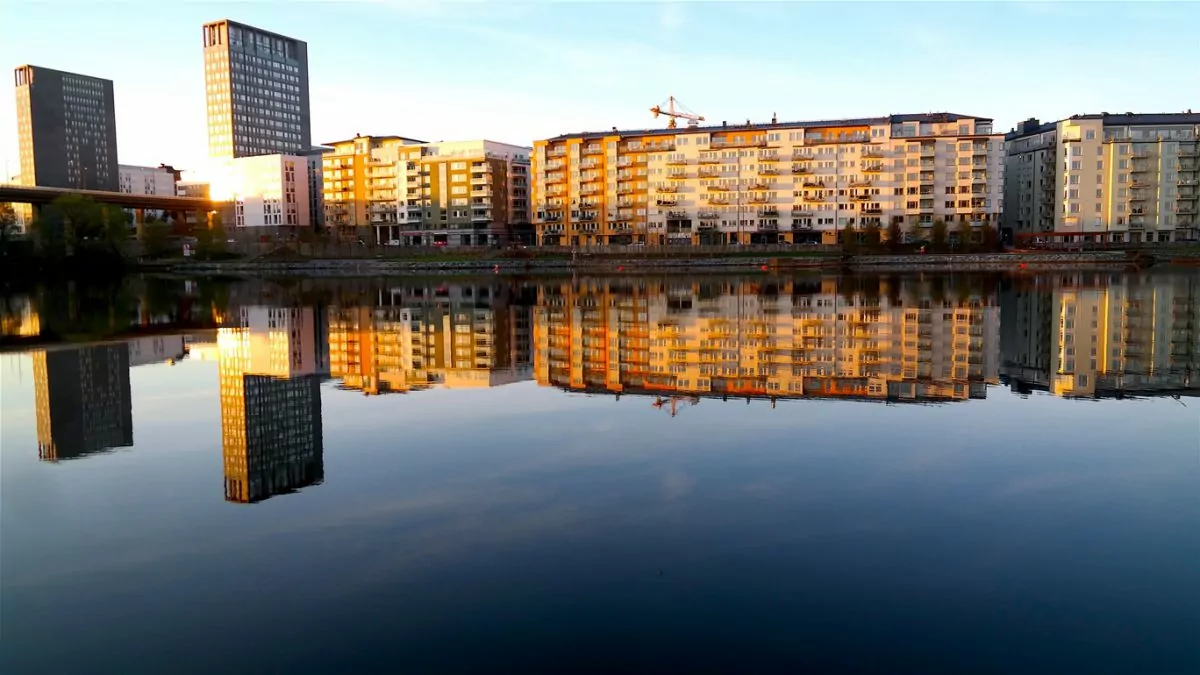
667, 201
557, 152
768, 157
709, 215
593, 149
872, 168
756, 142
813, 184
661, 146
668, 188
815, 198
768, 171
768, 213
872, 153
718, 188
860, 184
678, 175
676, 215
801, 213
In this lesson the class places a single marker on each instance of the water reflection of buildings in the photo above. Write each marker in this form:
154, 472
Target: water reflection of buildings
83, 401
270, 372
1096, 335
417, 337
768, 338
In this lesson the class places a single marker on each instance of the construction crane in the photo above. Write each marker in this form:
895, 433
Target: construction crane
676, 110
659, 402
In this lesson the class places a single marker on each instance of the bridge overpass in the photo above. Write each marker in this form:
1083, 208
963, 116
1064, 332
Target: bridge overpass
40, 196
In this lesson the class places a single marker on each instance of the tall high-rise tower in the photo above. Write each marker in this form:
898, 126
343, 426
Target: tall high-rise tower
256, 85
66, 129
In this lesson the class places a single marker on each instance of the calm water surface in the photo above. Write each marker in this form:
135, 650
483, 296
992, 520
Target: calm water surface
915, 474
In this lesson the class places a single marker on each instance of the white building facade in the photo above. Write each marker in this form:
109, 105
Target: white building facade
145, 180
269, 193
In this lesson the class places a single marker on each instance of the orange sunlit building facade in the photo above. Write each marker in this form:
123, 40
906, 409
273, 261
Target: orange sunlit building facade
771, 339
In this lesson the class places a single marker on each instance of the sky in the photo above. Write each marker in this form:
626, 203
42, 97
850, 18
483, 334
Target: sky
517, 71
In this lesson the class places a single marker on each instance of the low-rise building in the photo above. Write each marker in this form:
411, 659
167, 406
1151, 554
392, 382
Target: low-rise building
145, 180
786, 182
268, 193
398, 190
1129, 178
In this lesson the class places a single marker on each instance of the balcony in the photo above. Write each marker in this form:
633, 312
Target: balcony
1139, 155
815, 199
768, 171
718, 188
860, 198
979, 150
801, 212
1189, 152
708, 172
678, 175
1187, 167
1137, 196
769, 212
481, 216
481, 179
708, 160
667, 201
556, 152
872, 168
872, 211
872, 153
1185, 210
1137, 184
668, 188
625, 189
757, 199
677, 161
754, 142
709, 215
1140, 167
844, 138
552, 178
593, 149
552, 217
800, 169
677, 215
758, 185
860, 184
813, 184
768, 157
660, 146
1187, 181
768, 227
718, 200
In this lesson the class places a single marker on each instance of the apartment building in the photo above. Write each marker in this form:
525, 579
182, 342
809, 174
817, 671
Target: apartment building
778, 339
396, 190
145, 180
788, 182
418, 337
66, 129
256, 91
269, 194
1128, 178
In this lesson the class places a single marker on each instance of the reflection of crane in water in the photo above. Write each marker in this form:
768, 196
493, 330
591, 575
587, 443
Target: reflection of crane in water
659, 402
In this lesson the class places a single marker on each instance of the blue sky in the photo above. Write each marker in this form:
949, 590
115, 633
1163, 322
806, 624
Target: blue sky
515, 71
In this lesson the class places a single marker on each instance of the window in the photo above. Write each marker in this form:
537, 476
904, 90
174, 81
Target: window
1076, 165
1090, 134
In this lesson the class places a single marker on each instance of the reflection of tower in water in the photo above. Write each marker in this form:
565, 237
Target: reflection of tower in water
83, 401
270, 403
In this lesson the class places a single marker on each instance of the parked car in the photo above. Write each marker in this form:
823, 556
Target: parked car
394, 242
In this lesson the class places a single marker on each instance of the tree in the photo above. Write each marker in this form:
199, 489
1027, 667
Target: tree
963, 232
210, 241
895, 234
990, 237
849, 236
937, 234
156, 238
8, 219
872, 234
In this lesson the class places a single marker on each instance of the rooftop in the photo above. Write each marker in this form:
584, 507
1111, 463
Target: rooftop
811, 124
405, 139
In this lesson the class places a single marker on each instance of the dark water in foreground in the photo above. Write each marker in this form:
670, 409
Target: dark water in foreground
901, 475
